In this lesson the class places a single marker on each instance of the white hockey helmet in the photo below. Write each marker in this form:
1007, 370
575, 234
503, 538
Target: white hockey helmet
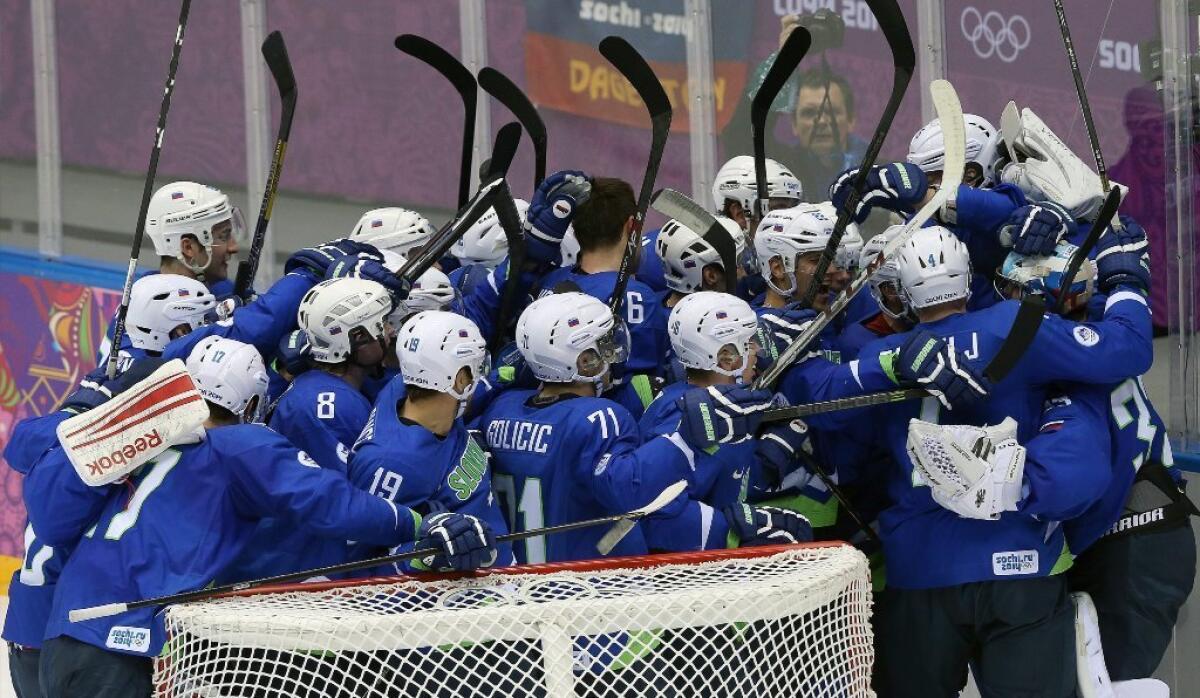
231, 374
568, 251
567, 337
1043, 275
685, 254
393, 228
927, 149
934, 268
735, 181
333, 309
484, 242
707, 326
431, 291
787, 234
850, 246
159, 303
886, 274
433, 346
188, 208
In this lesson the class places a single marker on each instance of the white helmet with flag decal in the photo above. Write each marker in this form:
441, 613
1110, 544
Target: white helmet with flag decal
484, 242
736, 181
568, 337
393, 228
332, 310
434, 346
159, 304
887, 274
685, 254
927, 150
187, 208
788, 233
934, 268
711, 331
230, 374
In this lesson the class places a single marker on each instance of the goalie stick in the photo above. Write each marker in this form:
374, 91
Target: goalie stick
83, 614
147, 192
463, 81
674, 205
950, 114
274, 51
634, 68
789, 56
895, 30
506, 92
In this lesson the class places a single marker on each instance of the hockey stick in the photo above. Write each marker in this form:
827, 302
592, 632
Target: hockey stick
504, 150
1106, 216
506, 92
634, 68
147, 192
274, 51
463, 81
672, 204
950, 114
895, 30
789, 56
1024, 328
111, 609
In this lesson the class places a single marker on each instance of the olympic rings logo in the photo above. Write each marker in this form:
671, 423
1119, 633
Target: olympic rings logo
991, 34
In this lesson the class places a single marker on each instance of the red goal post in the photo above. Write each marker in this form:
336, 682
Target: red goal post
771, 621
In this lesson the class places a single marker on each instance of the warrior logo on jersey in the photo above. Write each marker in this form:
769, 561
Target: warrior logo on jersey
469, 472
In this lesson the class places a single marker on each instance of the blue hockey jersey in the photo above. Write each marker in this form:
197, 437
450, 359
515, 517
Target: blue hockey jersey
186, 515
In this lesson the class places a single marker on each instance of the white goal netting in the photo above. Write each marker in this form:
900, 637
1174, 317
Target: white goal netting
783, 621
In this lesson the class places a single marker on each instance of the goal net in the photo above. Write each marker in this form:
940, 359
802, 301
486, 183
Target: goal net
771, 622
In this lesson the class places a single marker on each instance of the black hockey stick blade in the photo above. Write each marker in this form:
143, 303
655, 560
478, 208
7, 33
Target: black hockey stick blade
463, 81
275, 53
904, 61
1107, 214
504, 150
84, 614
147, 190
789, 56
675, 205
441, 241
625, 58
514, 232
506, 92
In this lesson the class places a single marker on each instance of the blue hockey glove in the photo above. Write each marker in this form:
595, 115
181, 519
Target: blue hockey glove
223, 310
1123, 258
466, 542
776, 451
750, 526
926, 361
292, 354
551, 211
365, 266
777, 329
1036, 229
318, 259
721, 414
96, 389
900, 187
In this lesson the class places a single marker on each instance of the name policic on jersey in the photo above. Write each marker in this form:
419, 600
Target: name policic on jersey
517, 435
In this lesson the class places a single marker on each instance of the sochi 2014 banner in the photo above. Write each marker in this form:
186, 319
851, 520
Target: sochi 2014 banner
572, 76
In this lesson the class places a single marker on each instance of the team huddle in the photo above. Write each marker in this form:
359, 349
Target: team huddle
352, 414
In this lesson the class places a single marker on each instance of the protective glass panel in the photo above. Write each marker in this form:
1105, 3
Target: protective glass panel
18, 143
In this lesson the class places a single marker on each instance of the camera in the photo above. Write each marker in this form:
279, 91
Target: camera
827, 28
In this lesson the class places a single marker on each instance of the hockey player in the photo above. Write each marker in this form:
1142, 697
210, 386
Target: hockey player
735, 189
185, 515
322, 413
481, 249
397, 229
415, 450
690, 263
891, 315
988, 592
563, 454
788, 243
162, 307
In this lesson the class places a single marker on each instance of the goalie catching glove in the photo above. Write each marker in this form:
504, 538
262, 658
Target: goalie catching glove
750, 526
975, 472
466, 542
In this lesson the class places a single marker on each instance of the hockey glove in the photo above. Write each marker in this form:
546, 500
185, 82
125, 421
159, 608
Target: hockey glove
467, 543
926, 361
365, 266
318, 259
975, 472
776, 451
292, 354
1123, 258
750, 526
96, 389
550, 213
899, 187
721, 414
777, 329
223, 310
1034, 230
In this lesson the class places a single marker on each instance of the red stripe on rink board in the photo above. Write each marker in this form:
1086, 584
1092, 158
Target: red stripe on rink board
187, 399
176, 385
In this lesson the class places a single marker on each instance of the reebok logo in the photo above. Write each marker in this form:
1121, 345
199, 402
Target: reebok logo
126, 453
1012, 562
